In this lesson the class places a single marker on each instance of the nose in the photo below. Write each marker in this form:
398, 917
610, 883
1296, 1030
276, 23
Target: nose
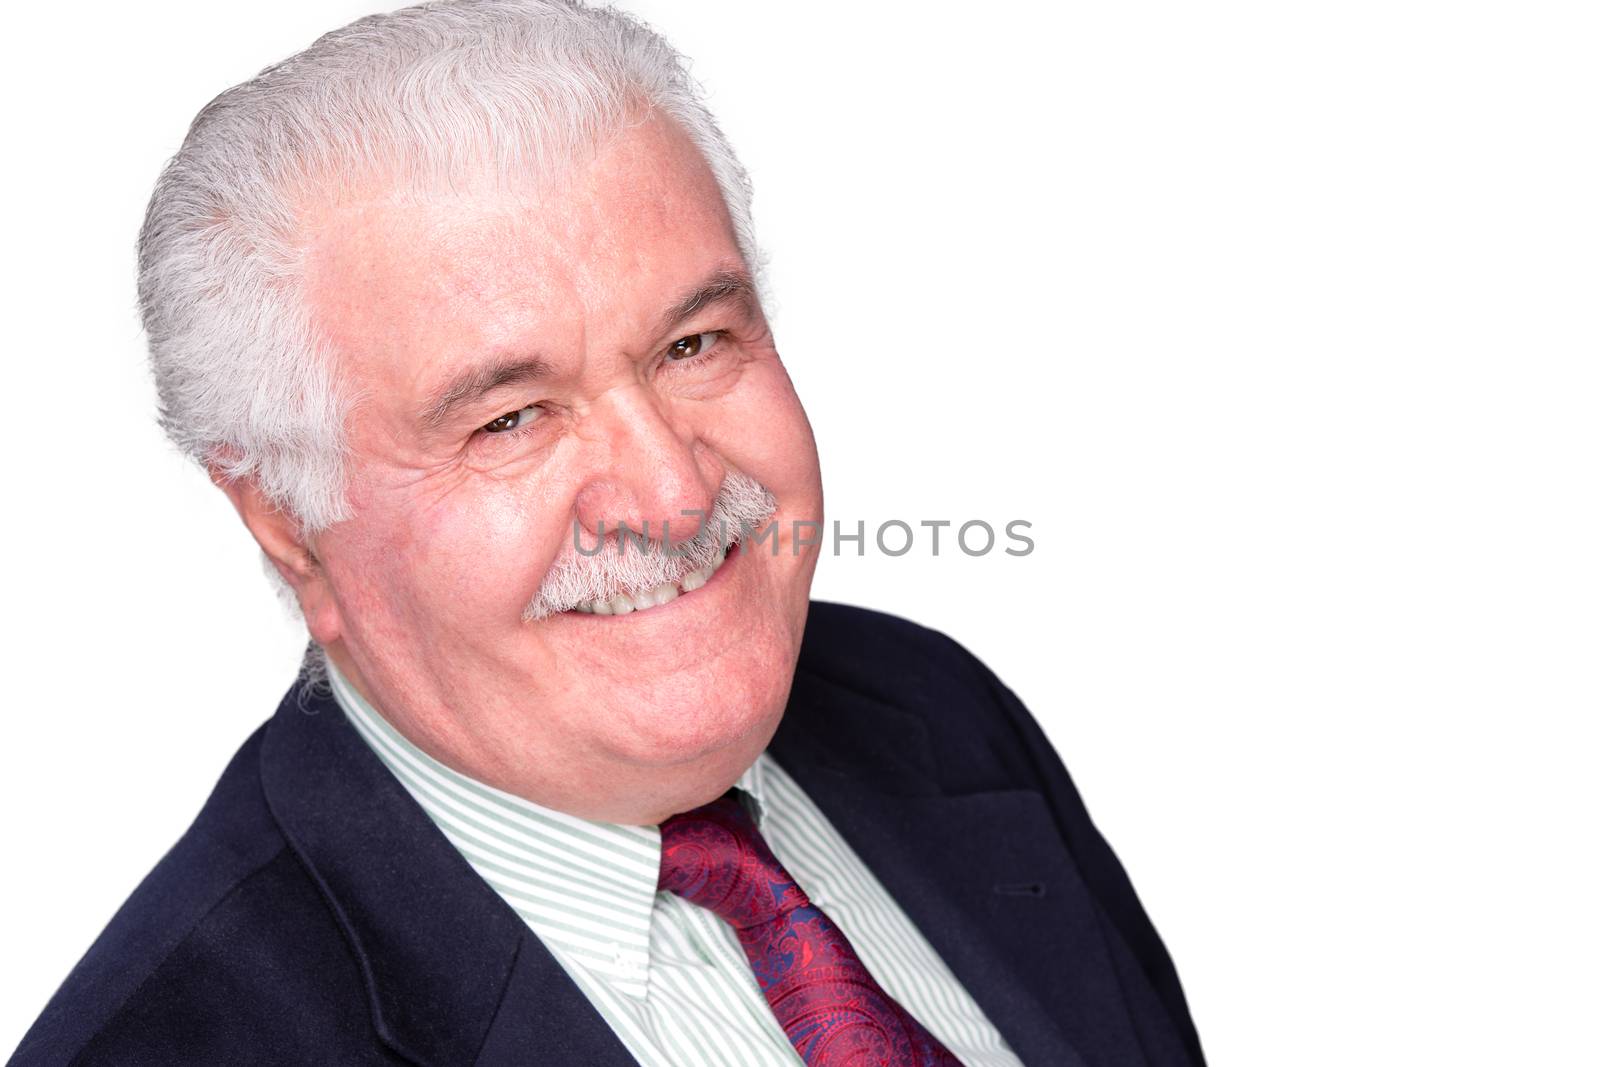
646, 471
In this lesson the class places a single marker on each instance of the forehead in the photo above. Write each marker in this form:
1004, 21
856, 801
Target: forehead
402, 280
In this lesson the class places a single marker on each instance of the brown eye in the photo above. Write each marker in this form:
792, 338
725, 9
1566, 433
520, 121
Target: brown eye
512, 420
691, 346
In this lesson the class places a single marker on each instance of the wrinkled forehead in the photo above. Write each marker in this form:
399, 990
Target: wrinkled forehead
406, 273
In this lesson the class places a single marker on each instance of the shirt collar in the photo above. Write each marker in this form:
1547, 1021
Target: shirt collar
587, 888
751, 783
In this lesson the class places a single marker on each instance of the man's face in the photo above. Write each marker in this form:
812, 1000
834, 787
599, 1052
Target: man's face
527, 361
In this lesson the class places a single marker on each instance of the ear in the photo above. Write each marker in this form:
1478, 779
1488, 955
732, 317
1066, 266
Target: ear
278, 533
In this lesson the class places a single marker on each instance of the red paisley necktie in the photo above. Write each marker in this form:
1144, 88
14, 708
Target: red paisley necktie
828, 1004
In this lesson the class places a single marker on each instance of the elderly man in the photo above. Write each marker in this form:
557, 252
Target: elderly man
458, 307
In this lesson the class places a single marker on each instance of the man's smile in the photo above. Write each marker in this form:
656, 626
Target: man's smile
624, 604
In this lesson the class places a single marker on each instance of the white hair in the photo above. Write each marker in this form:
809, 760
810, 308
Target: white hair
524, 86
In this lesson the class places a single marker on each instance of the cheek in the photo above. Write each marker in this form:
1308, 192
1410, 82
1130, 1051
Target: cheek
762, 429
486, 547
465, 563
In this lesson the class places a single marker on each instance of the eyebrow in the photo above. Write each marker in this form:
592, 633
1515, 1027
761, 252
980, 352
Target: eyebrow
474, 383
722, 285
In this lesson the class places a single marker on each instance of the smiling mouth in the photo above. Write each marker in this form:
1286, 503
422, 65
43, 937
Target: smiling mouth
624, 603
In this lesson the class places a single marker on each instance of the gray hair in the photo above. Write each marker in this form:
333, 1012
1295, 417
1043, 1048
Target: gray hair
741, 506
245, 384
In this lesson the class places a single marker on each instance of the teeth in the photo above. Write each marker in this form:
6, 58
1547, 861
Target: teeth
622, 604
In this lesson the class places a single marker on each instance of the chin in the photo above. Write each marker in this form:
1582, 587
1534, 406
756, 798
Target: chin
703, 719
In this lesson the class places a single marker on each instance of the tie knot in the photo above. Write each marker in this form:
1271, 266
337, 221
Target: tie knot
715, 857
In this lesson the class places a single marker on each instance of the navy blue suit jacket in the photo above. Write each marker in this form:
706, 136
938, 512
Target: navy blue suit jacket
313, 914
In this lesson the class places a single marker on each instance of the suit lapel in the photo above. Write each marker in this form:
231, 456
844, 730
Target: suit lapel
977, 874
455, 977
545, 1018
451, 970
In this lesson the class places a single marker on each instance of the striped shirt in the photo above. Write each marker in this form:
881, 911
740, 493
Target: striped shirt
668, 976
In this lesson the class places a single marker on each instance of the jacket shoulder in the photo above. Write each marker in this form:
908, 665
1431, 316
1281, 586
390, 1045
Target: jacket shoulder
885, 656
983, 738
179, 964
978, 728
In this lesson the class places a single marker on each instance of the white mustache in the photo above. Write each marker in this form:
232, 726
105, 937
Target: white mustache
741, 506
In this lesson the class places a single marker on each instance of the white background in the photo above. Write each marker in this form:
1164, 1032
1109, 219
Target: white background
1277, 321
